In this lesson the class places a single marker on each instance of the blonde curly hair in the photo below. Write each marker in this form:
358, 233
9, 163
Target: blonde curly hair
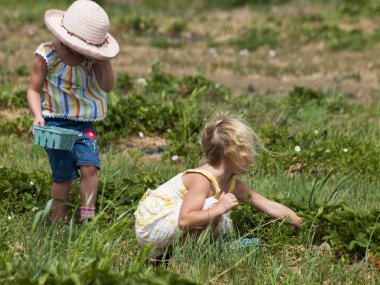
231, 139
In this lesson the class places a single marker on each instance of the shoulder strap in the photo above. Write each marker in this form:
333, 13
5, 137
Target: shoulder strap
213, 180
209, 176
232, 186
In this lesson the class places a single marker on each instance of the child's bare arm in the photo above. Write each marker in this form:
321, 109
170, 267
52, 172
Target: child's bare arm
191, 214
38, 75
271, 208
104, 74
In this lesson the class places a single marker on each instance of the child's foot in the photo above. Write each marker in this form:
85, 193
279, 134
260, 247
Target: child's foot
86, 214
85, 220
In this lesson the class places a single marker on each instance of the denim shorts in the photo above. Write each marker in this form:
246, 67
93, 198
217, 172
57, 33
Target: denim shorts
64, 163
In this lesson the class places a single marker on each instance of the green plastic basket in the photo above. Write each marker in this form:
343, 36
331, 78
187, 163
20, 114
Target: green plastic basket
55, 137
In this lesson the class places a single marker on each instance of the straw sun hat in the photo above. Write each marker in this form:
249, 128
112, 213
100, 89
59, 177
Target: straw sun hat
84, 28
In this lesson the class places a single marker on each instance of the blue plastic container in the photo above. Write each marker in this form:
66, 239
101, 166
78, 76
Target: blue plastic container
55, 137
244, 243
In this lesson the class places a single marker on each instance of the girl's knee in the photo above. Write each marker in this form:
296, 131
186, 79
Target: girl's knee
89, 171
62, 184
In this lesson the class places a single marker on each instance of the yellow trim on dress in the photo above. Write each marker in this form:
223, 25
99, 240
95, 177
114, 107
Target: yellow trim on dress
232, 185
213, 180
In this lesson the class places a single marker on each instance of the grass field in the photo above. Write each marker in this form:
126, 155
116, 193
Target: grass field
303, 73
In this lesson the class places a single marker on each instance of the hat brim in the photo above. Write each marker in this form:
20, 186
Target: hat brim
53, 19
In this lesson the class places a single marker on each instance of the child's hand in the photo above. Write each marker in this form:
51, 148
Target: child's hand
227, 201
38, 121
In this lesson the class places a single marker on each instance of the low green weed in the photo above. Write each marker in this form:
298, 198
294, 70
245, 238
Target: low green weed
23, 191
19, 126
12, 97
358, 7
138, 25
162, 42
177, 28
338, 39
256, 38
228, 4
164, 105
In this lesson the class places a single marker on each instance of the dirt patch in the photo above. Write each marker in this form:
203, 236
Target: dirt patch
10, 114
264, 70
150, 147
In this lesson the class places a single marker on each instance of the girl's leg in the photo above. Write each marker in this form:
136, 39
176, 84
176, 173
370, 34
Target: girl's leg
60, 192
209, 203
89, 181
221, 225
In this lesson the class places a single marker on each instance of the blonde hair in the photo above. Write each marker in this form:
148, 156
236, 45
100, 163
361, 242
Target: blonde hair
231, 139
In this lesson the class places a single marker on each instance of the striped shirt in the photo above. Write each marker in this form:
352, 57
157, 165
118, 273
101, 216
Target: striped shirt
70, 92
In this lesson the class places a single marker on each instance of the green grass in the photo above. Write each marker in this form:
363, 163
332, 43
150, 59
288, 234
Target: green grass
313, 182
256, 38
165, 43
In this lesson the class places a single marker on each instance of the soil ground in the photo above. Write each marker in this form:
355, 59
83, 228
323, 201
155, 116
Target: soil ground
274, 70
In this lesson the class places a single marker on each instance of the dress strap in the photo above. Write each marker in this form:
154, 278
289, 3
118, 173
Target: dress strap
209, 176
232, 186
213, 180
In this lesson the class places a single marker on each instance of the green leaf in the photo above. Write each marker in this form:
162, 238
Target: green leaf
43, 278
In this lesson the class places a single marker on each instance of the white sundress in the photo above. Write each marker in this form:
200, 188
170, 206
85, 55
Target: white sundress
158, 212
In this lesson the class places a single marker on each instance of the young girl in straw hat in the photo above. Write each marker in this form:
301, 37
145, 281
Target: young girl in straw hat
73, 73
197, 197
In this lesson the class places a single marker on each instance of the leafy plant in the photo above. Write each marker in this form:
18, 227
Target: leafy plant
357, 7
23, 191
338, 39
350, 233
10, 98
140, 25
177, 28
162, 42
256, 38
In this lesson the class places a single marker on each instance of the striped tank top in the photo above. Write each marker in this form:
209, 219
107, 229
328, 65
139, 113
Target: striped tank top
70, 92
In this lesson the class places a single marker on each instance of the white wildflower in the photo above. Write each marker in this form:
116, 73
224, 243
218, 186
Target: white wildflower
175, 157
34, 209
142, 82
345, 149
141, 134
325, 247
316, 132
297, 148
213, 52
327, 151
10, 218
1, 166
272, 53
31, 183
31, 32
244, 52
